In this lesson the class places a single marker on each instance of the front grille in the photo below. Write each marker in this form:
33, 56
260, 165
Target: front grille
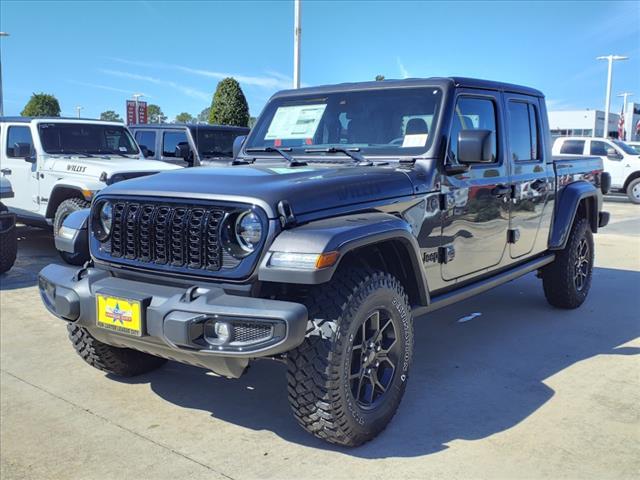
186, 236
251, 332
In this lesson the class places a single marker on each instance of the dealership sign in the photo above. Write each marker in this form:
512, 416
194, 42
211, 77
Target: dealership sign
133, 117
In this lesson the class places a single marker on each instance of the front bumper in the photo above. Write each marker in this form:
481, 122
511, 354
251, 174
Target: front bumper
174, 318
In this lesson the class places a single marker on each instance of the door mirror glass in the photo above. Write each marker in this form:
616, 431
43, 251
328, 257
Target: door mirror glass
183, 151
475, 146
22, 150
612, 154
145, 151
237, 145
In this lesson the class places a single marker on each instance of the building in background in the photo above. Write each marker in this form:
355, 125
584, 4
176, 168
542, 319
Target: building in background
590, 123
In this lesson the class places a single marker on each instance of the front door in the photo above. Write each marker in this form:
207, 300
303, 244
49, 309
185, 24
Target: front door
476, 210
616, 167
531, 178
22, 174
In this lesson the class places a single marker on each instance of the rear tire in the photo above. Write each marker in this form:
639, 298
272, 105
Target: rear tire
348, 377
633, 191
8, 242
567, 280
123, 362
66, 208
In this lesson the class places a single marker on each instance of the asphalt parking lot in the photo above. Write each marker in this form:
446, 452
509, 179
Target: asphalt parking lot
522, 390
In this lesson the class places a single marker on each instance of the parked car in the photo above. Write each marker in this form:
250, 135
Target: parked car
57, 165
620, 160
8, 236
349, 211
635, 146
187, 144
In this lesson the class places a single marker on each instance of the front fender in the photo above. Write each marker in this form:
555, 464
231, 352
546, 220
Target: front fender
72, 237
569, 199
342, 234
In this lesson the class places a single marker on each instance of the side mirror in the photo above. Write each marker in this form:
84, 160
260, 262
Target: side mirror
474, 146
145, 151
237, 145
612, 154
23, 150
183, 151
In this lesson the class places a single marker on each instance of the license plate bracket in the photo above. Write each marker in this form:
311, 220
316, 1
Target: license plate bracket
120, 314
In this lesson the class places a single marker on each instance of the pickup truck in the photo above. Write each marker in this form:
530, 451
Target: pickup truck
8, 234
187, 145
349, 211
56, 166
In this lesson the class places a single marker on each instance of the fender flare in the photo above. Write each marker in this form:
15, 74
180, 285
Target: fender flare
567, 204
343, 234
79, 187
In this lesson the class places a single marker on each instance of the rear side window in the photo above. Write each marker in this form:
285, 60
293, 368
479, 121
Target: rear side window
170, 141
473, 113
18, 137
523, 131
147, 139
572, 147
598, 148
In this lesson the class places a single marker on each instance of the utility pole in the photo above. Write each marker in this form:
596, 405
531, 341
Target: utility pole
610, 59
2, 34
297, 32
78, 108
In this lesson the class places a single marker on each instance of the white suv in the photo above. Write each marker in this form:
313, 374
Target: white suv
56, 166
620, 160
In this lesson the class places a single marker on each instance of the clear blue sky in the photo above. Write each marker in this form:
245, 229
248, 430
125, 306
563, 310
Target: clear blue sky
96, 54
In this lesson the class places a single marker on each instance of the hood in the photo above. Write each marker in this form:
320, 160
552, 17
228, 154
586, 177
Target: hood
307, 189
112, 165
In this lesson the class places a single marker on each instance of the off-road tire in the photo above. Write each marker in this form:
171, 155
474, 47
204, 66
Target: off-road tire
123, 362
318, 371
8, 245
66, 208
558, 278
633, 191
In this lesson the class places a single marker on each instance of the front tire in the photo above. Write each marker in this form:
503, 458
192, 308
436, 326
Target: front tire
66, 208
633, 191
348, 377
567, 280
123, 362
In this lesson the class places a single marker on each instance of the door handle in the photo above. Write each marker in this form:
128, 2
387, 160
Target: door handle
6, 171
500, 191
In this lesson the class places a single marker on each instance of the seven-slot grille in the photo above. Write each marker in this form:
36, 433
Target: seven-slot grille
175, 235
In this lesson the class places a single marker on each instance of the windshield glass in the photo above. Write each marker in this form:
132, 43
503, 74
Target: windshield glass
624, 147
393, 121
214, 143
86, 138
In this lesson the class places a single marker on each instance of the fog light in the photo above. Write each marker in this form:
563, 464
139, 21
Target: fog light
217, 333
223, 331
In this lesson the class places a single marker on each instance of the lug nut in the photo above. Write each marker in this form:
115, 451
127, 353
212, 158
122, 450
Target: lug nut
377, 364
378, 348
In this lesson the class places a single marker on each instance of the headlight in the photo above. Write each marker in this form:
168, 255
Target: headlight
102, 220
248, 231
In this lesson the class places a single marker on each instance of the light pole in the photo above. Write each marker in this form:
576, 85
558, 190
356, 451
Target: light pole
610, 59
297, 32
136, 117
78, 108
2, 34
624, 96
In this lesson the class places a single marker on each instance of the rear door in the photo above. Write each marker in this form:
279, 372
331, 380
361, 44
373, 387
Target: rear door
476, 217
531, 177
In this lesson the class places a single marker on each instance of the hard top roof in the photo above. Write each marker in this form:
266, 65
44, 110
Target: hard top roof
187, 125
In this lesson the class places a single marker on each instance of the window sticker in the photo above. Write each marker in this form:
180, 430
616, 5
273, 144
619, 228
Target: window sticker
415, 140
295, 122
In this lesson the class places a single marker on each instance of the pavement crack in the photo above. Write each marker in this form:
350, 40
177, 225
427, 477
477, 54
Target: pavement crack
117, 425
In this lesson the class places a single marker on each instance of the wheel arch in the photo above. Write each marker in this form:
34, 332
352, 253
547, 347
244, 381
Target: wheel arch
630, 179
63, 192
576, 200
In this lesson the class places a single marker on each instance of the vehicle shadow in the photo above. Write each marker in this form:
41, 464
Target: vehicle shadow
36, 250
468, 381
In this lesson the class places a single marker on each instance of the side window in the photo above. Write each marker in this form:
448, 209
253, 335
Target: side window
572, 147
147, 139
523, 131
598, 148
473, 113
18, 141
170, 141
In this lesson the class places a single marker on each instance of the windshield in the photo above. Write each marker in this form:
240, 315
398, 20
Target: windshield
215, 143
393, 121
624, 147
86, 138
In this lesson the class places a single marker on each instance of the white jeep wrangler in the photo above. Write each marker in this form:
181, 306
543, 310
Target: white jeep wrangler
57, 165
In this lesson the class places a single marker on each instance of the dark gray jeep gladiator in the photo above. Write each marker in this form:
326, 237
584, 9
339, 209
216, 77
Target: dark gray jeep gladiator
348, 211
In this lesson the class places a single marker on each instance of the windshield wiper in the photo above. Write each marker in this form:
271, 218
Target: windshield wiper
354, 153
115, 152
79, 154
282, 151
215, 153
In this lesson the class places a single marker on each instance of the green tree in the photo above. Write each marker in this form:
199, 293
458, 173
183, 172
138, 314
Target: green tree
155, 114
110, 116
203, 116
41, 105
184, 117
229, 105
379, 78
